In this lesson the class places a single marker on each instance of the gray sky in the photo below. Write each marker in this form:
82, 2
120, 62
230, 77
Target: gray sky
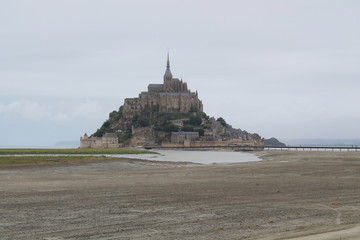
281, 68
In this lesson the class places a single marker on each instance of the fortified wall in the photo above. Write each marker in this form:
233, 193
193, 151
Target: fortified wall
109, 140
232, 143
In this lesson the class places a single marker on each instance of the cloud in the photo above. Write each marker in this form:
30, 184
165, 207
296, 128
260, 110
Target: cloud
266, 66
61, 111
26, 109
87, 109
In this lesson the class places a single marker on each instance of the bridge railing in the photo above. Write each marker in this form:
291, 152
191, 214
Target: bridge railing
315, 148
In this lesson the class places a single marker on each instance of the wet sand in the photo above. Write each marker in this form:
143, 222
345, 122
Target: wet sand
288, 195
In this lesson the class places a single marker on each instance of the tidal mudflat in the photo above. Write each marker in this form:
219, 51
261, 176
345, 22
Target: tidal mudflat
289, 194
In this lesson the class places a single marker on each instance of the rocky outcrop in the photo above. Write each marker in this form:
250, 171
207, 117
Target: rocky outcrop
142, 136
273, 142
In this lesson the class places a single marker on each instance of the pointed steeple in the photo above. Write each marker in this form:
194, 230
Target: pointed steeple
168, 75
168, 61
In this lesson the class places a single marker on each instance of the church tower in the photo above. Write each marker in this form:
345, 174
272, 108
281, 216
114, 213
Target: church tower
168, 75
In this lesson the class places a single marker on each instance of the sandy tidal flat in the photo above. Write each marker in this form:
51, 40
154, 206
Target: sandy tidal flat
288, 195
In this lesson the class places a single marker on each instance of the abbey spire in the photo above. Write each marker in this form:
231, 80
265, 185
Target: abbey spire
168, 62
168, 75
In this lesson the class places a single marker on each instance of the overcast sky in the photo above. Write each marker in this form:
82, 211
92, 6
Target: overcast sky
280, 68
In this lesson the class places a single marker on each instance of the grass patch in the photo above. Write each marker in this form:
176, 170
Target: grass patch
25, 160
21, 151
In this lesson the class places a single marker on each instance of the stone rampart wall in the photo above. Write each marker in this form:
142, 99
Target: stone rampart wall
235, 142
99, 142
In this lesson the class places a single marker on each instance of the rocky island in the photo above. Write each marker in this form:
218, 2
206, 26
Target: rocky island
167, 115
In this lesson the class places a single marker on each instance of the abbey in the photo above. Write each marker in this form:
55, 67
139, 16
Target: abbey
168, 115
172, 95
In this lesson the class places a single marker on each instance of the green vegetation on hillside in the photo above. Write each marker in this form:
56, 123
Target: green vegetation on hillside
125, 136
201, 131
106, 127
165, 122
222, 121
141, 121
161, 117
162, 121
194, 120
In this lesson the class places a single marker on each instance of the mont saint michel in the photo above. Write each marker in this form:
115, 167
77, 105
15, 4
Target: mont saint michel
168, 115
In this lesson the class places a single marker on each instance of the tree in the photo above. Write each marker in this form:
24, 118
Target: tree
105, 128
187, 128
99, 132
207, 126
194, 109
171, 128
143, 122
222, 121
114, 116
201, 131
121, 108
106, 124
195, 120
125, 136
135, 118
205, 116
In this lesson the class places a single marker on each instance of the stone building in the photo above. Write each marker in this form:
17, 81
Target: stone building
180, 137
109, 140
172, 95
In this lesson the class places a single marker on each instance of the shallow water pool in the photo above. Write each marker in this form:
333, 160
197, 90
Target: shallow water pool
203, 157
